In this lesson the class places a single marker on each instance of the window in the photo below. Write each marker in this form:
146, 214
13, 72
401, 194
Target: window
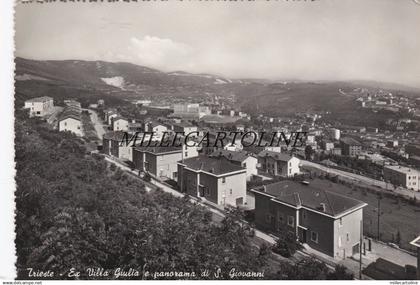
186, 154
340, 222
314, 236
339, 241
280, 217
65, 123
207, 191
304, 214
347, 237
268, 218
175, 175
291, 221
223, 179
244, 164
230, 192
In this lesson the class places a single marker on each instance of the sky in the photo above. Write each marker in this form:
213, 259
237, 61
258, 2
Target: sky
279, 39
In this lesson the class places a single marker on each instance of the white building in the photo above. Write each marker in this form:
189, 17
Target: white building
157, 128
70, 121
278, 164
119, 124
402, 176
335, 134
191, 110
40, 106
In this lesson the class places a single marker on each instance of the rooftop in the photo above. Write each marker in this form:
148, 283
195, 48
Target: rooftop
276, 155
117, 136
416, 242
39, 99
158, 149
310, 196
212, 165
402, 169
231, 155
350, 141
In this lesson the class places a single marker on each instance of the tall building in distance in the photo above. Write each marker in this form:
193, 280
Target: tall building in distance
402, 176
191, 111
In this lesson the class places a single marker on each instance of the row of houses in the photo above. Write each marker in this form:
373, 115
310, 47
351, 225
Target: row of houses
69, 119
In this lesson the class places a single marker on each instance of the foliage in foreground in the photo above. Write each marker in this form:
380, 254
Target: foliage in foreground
75, 211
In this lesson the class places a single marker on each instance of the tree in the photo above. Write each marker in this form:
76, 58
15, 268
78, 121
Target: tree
340, 273
286, 245
308, 152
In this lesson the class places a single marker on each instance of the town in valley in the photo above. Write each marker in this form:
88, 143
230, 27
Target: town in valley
348, 198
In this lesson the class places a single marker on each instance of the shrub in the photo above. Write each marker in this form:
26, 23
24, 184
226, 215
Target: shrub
286, 245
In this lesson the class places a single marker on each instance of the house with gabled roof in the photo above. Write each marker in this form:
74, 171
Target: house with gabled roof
215, 180
324, 220
111, 145
278, 164
161, 161
71, 120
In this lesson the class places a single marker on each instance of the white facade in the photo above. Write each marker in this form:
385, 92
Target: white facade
232, 188
119, 124
110, 117
293, 166
39, 107
402, 176
157, 130
251, 167
335, 134
70, 124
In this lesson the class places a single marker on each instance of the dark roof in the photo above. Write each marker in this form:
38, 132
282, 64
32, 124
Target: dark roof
275, 155
119, 118
296, 194
155, 124
350, 141
70, 113
39, 99
231, 155
210, 164
116, 136
158, 149
183, 125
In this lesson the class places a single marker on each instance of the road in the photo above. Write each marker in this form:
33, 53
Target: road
97, 123
362, 179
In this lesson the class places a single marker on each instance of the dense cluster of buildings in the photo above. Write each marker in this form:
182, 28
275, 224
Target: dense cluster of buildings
218, 175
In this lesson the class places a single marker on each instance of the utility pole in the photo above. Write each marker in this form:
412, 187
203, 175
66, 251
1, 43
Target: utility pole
379, 215
360, 249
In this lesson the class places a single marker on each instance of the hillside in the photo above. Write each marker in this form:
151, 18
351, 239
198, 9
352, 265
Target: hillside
115, 82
